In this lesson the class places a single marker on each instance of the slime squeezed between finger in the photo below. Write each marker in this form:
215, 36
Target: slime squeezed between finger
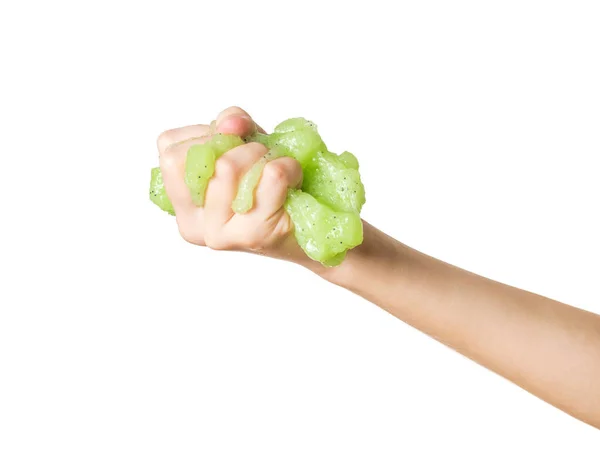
325, 211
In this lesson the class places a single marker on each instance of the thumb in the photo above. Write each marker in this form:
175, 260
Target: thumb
235, 120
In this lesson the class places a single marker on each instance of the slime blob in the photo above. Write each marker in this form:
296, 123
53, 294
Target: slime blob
325, 211
157, 192
200, 163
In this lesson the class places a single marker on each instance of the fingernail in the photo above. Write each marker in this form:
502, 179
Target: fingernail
224, 119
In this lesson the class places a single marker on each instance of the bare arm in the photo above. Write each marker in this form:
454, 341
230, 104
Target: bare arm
548, 348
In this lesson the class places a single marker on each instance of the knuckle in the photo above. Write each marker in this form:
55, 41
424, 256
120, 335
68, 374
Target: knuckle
226, 168
189, 234
275, 173
215, 242
164, 140
256, 147
259, 150
168, 162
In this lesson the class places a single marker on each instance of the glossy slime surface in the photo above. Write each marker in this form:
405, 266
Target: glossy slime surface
325, 211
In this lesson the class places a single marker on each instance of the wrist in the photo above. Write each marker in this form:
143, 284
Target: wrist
369, 266
367, 270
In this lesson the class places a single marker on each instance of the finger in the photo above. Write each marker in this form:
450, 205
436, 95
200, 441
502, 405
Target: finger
176, 135
235, 120
172, 166
223, 187
278, 176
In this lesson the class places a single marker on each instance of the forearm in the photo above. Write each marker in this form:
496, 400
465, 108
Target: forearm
548, 348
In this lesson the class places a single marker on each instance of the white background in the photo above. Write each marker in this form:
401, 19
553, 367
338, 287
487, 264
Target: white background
477, 128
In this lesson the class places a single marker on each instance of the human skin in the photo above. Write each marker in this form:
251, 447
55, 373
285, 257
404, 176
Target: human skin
548, 348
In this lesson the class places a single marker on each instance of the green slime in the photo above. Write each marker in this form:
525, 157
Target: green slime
325, 211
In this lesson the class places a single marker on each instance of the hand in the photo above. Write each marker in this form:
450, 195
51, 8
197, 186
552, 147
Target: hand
548, 348
266, 228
